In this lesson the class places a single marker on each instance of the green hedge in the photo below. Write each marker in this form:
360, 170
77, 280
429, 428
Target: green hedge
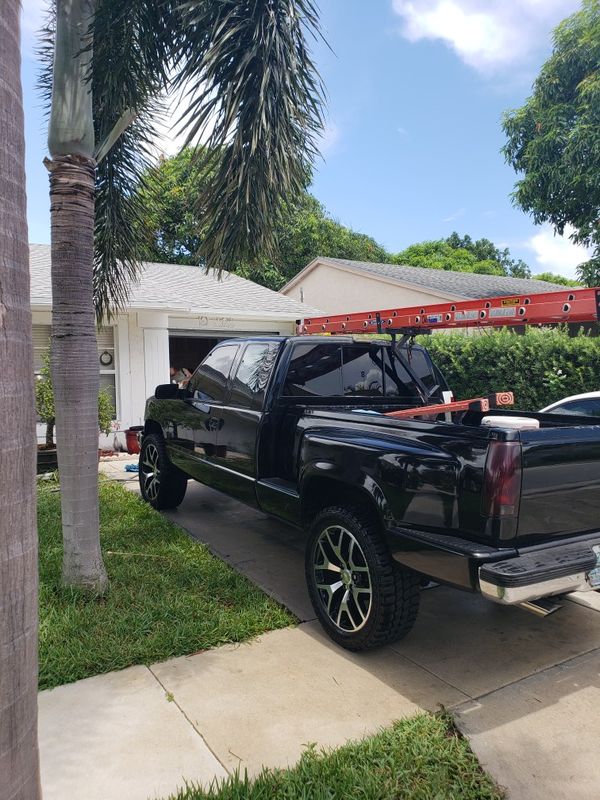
539, 366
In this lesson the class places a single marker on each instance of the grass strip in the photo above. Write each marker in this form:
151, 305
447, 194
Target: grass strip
418, 758
168, 595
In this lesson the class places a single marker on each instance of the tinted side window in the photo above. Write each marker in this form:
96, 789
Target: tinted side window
586, 408
209, 382
315, 370
362, 372
253, 374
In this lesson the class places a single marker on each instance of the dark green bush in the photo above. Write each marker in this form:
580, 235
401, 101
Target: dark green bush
539, 366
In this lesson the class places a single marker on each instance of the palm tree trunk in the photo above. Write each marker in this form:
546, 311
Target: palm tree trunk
75, 375
19, 763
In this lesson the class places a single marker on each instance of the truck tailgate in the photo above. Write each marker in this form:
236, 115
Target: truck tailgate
560, 492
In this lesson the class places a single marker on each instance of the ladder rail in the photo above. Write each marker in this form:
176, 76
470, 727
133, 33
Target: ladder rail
570, 305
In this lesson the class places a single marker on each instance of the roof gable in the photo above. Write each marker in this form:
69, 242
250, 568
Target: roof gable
469, 285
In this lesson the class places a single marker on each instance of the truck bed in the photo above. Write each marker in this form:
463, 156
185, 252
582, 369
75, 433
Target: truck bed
441, 464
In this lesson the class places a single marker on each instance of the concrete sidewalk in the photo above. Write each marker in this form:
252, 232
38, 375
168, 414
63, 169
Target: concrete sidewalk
526, 690
143, 731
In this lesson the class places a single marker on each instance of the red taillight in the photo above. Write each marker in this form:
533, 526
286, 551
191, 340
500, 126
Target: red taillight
502, 480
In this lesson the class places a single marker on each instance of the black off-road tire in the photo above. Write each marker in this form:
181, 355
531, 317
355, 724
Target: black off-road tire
394, 589
164, 486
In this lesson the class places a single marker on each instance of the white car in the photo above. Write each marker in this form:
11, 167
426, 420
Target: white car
587, 405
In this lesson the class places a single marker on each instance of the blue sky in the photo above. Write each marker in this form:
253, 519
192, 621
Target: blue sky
412, 146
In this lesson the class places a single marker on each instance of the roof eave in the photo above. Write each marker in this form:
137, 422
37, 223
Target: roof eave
281, 316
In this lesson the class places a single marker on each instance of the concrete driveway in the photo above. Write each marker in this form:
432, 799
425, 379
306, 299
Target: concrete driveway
526, 690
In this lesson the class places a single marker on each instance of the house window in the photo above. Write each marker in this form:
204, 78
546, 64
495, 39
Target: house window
108, 362
106, 355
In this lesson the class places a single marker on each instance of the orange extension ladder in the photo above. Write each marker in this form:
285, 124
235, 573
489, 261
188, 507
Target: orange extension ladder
568, 305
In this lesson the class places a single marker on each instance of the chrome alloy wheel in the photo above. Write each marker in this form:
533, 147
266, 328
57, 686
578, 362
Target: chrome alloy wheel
342, 578
151, 471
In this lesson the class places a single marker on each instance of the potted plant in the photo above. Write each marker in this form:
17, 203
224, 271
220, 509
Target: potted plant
44, 403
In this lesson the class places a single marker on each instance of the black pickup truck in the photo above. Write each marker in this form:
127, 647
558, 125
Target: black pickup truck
297, 427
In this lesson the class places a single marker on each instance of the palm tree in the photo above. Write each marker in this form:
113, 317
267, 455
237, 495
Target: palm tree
19, 769
252, 96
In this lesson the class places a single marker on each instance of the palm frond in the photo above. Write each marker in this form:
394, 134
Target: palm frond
255, 99
120, 229
45, 54
133, 50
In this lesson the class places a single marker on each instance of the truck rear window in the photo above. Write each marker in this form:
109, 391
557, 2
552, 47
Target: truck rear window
362, 370
315, 370
352, 370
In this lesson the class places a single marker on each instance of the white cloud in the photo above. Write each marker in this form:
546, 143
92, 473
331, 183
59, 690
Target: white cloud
557, 253
489, 35
329, 138
460, 212
171, 139
173, 129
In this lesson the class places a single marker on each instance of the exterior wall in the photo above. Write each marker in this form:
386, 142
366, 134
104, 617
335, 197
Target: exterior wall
143, 342
337, 291
107, 345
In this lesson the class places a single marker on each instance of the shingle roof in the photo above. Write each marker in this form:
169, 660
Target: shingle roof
174, 287
463, 284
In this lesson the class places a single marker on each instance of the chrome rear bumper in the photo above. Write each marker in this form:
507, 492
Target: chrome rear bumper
513, 595
572, 566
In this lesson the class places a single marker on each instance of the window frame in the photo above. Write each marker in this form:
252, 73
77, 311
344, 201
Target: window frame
113, 370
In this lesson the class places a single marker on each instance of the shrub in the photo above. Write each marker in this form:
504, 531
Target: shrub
44, 402
540, 366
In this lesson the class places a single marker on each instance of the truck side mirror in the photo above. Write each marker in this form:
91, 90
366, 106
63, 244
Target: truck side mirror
166, 391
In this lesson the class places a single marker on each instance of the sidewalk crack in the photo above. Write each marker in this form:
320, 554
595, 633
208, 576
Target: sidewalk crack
171, 698
467, 696
548, 667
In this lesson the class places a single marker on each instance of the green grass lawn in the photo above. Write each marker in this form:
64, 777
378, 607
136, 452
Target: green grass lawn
168, 595
420, 758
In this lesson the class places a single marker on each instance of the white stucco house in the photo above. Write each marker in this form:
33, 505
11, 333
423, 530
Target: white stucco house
341, 286
175, 315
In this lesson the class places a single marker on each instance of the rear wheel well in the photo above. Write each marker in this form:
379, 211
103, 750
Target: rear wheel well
319, 493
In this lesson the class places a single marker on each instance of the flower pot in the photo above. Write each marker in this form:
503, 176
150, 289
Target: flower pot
131, 439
